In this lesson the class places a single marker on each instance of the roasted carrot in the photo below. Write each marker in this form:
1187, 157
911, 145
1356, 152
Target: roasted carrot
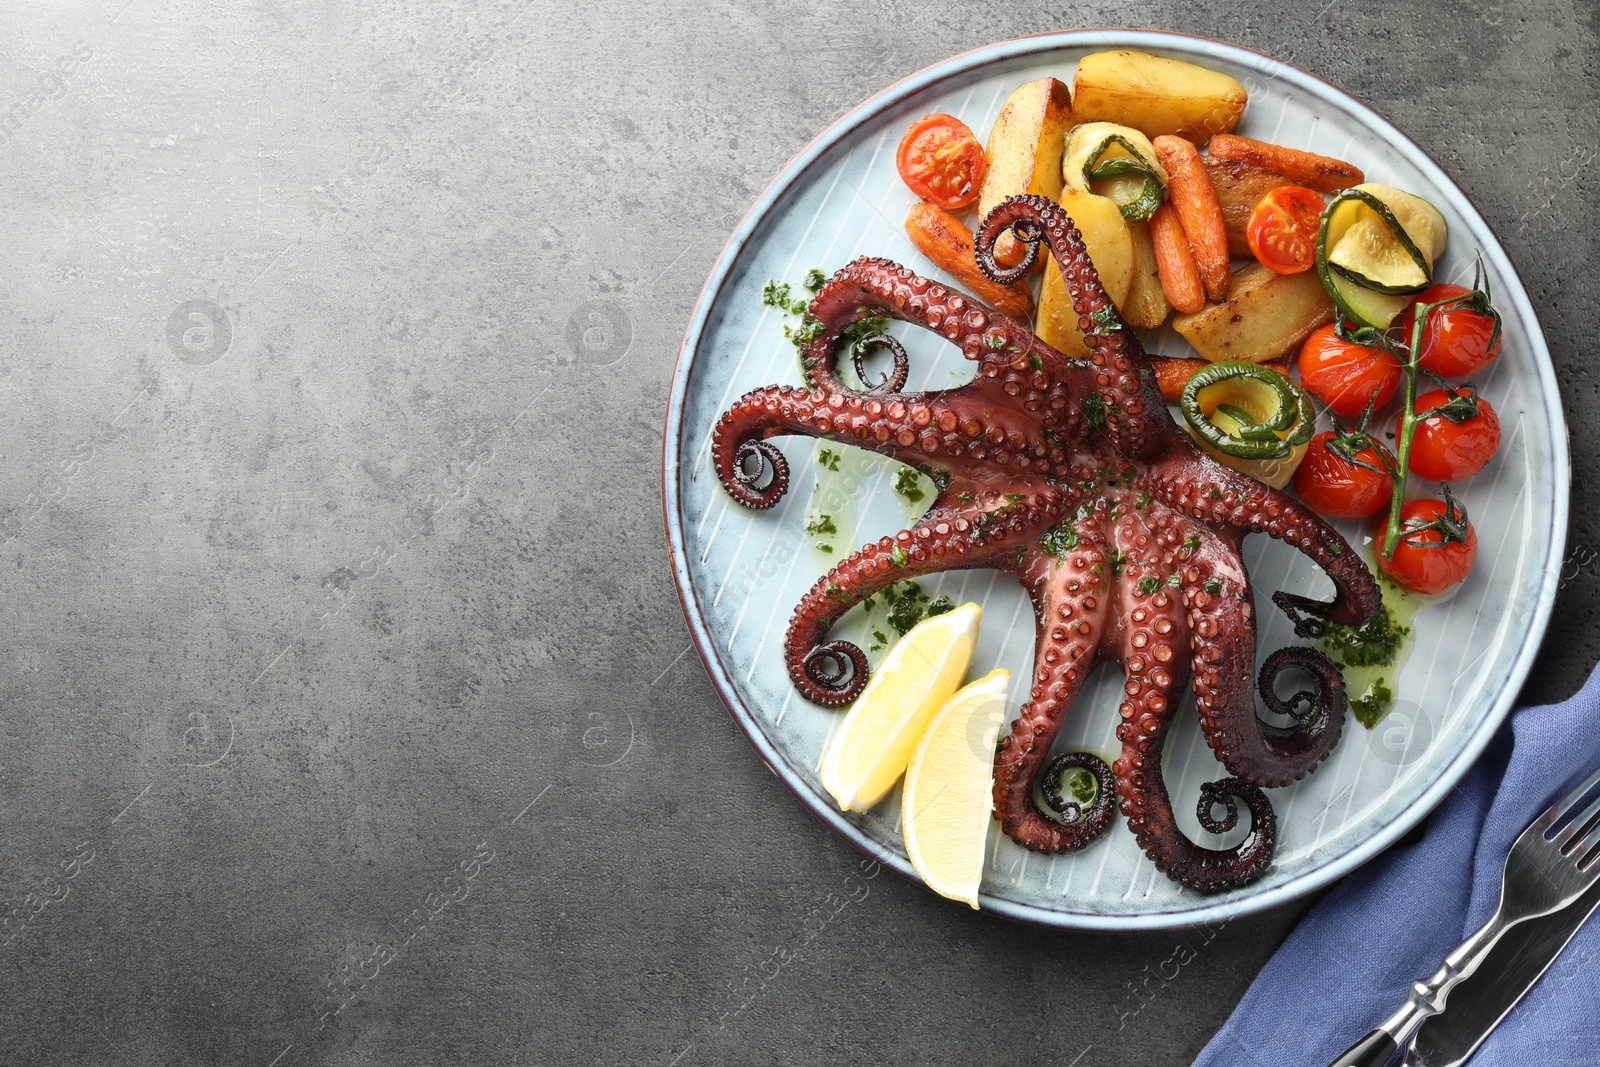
1322, 173
1180, 278
943, 238
1173, 373
1194, 198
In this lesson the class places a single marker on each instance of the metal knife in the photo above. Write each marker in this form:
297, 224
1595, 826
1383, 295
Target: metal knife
1477, 1005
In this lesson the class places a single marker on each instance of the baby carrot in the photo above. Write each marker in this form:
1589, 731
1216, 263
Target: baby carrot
1192, 195
1322, 173
943, 238
1180, 278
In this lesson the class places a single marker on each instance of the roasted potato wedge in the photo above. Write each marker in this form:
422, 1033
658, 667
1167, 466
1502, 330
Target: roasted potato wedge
1155, 95
1024, 152
1264, 316
1105, 234
1240, 188
1146, 307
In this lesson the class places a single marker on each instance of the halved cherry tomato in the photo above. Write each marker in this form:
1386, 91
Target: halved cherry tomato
1456, 341
1444, 450
1345, 376
942, 161
1430, 559
1334, 487
1282, 230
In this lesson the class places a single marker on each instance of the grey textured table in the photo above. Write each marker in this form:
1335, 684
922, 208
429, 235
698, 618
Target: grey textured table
349, 714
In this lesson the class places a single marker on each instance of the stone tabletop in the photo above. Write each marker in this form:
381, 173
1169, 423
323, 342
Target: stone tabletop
349, 714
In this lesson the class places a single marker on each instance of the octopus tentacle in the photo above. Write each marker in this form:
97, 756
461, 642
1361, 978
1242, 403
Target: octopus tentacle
1146, 717
946, 539
1072, 606
1221, 616
1200, 486
918, 429
1136, 417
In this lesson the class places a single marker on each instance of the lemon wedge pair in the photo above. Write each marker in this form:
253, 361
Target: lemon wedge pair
914, 719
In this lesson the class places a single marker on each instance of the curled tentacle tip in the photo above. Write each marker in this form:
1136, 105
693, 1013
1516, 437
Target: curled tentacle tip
1309, 617
762, 485
902, 363
1020, 215
1313, 711
834, 674
1088, 802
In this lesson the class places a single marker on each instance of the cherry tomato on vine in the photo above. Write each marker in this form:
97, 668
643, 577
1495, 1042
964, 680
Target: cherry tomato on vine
1282, 230
942, 162
1334, 487
1345, 376
1444, 450
1456, 341
1437, 546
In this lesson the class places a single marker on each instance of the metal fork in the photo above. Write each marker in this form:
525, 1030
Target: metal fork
1544, 873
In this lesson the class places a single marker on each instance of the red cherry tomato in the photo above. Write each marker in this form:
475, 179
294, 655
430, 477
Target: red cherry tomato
1443, 450
1424, 561
1282, 230
1345, 376
942, 161
1334, 487
1456, 341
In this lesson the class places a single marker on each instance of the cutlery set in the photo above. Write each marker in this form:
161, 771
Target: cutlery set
1549, 889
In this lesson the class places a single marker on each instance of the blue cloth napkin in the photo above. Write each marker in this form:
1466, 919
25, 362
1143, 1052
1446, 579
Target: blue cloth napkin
1351, 961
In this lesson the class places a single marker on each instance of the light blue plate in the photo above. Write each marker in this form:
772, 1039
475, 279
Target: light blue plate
740, 573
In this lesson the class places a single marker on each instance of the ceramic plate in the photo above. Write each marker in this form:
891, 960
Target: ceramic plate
740, 573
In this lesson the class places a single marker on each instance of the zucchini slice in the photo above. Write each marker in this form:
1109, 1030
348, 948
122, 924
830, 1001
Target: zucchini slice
1376, 243
1250, 418
1384, 239
1116, 162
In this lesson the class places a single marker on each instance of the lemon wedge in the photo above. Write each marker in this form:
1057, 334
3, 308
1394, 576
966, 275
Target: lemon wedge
874, 743
948, 798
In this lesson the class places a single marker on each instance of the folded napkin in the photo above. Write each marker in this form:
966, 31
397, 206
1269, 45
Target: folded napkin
1352, 960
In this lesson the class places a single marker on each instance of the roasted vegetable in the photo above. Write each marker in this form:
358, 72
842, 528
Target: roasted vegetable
1322, 173
1146, 307
1195, 200
1118, 162
1376, 244
1240, 188
1180, 278
1156, 95
1250, 418
1265, 315
1024, 152
944, 239
1173, 373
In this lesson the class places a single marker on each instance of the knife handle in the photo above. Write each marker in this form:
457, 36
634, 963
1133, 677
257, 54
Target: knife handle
1374, 1050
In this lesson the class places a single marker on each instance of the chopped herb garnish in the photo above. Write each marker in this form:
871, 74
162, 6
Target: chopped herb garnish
829, 459
1212, 586
1117, 560
1190, 544
908, 485
833, 590
815, 279
1174, 581
1375, 643
775, 294
822, 524
1037, 361
1370, 707
1093, 407
897, 556
1149, 585
1105, 322
1215, 494
906, 604
1059, 539
825, 548
1143, 502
